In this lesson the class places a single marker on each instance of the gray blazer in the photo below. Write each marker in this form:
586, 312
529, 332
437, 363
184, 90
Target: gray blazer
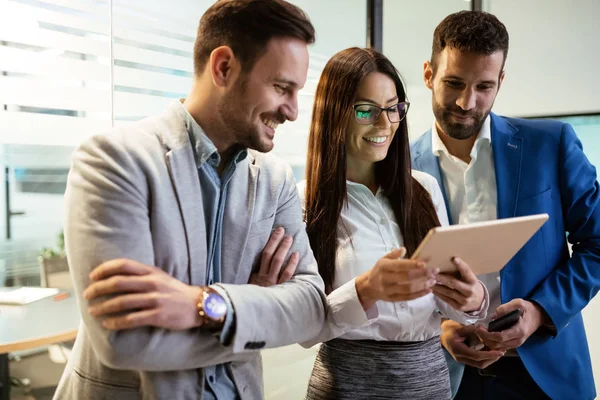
135, 193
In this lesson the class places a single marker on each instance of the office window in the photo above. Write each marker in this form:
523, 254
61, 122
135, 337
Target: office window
54, 90
70, 69
73, 68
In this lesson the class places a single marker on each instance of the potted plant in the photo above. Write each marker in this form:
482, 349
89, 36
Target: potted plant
54, 269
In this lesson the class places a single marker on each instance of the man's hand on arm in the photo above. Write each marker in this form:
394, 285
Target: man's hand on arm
271, 262
141, 295
455, 338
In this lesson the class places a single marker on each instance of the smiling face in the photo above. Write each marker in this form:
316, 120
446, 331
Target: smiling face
267, 95
464, 86
368, 144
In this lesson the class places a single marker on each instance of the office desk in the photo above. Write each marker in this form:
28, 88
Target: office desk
40, 323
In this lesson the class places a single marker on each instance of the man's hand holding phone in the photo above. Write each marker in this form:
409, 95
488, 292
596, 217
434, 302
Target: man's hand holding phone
505, 322
513, 323
456, 339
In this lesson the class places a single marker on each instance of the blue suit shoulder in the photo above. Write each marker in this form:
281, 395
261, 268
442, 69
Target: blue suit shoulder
537, 129
418, 143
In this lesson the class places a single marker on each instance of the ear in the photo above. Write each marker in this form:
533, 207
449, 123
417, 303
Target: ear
224, 66
428, 74
501, 80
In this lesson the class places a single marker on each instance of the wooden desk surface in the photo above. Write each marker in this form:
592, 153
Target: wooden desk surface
40, 323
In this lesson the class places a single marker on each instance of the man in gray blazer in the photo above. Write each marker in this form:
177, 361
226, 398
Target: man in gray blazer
167, 219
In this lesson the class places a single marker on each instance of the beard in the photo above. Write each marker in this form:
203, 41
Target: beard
235, 112
458, 130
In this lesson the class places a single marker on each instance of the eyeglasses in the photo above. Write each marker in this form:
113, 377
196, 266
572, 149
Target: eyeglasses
368, 114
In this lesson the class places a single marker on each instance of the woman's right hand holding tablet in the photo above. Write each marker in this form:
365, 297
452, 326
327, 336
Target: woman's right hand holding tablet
394, 278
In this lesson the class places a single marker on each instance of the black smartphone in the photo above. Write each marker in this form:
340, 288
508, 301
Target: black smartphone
505, 321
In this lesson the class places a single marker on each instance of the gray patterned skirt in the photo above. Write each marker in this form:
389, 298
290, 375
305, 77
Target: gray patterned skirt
368, 369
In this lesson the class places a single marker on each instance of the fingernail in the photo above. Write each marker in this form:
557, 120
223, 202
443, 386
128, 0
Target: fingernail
457, 260
287, 239
431, 282
279, 230
295, 254
421, 264
436, 271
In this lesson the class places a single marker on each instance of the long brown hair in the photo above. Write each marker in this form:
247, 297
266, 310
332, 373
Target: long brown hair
326, 164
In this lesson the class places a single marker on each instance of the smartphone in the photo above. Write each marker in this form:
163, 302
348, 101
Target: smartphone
505, 321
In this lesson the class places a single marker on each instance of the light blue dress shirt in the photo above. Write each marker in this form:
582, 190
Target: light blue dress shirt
218, 383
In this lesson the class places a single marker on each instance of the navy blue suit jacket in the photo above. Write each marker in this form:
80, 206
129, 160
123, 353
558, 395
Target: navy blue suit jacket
541, 168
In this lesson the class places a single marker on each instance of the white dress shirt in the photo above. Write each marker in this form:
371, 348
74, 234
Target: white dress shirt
471, 191
368, 231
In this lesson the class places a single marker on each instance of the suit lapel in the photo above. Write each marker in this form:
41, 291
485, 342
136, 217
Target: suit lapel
185, 180
237, 218
507, 148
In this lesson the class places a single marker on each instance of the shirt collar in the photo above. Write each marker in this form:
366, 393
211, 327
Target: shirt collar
484, 137
355, 187
204, 148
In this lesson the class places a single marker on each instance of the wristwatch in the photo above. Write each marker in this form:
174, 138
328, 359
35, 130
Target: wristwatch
212, 308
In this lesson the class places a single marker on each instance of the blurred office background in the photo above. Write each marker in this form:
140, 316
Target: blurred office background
72, 68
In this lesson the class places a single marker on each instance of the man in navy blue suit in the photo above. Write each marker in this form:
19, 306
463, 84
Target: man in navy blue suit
492, 167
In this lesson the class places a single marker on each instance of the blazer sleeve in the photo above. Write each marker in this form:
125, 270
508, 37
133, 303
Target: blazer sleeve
344, 313
286, 313
107, 217
570, 287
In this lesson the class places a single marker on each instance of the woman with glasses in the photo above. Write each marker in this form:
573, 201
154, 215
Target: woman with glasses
366, 213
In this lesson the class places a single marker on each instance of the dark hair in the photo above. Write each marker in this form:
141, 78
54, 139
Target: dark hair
473, 31
247, 26
326, 164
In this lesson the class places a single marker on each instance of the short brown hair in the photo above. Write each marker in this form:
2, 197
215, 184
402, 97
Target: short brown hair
473, 31
247, 26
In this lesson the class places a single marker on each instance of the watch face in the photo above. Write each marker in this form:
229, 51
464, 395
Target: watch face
214, 306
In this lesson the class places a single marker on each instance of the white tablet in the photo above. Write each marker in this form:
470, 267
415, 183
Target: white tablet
485, 246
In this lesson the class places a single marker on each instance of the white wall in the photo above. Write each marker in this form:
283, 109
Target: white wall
553, 57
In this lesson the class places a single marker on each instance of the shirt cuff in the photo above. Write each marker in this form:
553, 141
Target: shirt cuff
481, 313
346, 309
228, 326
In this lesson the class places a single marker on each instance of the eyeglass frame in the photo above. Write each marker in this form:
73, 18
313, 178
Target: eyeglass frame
381, 111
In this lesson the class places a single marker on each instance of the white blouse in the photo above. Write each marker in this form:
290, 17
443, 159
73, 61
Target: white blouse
368, 231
